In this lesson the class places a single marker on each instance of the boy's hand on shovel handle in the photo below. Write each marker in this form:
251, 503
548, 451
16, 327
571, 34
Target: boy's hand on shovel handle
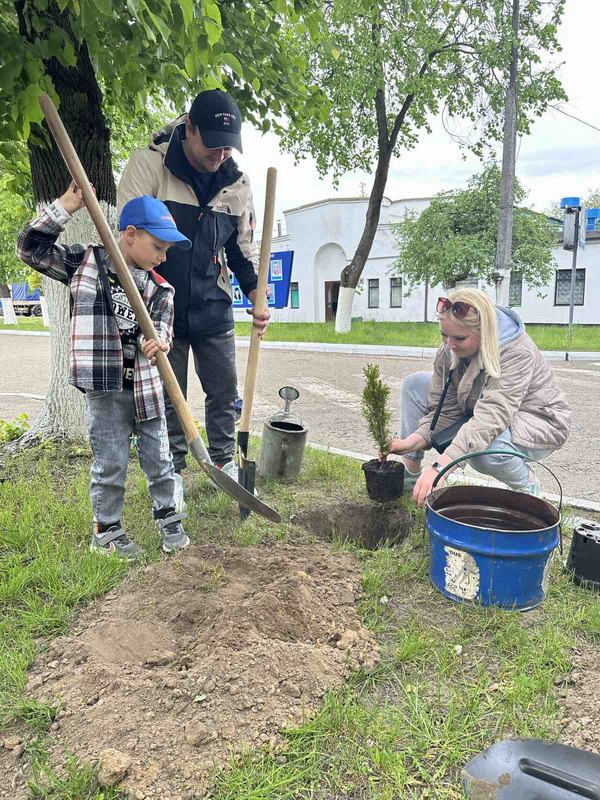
72, 199
150, 347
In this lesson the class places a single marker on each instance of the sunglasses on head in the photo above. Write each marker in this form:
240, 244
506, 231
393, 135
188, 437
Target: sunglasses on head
459, 309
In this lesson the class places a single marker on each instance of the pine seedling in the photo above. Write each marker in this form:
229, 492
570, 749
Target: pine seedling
375, 409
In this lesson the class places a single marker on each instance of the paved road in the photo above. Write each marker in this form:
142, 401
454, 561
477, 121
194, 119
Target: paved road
330, 387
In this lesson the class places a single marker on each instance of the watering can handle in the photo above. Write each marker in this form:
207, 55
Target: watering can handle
468, 456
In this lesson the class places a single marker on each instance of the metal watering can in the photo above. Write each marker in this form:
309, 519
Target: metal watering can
283, 440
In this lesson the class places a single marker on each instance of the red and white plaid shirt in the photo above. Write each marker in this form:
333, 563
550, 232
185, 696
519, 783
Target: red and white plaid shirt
96, 350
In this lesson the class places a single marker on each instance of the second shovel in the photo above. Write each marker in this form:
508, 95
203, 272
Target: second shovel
247, 468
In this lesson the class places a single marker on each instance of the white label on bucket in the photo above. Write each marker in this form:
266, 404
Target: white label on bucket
462, 573
546, 576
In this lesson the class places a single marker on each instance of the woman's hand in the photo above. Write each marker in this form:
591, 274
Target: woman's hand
400, 446
424, 485
150, 347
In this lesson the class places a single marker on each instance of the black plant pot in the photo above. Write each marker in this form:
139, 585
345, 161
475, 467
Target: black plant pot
584, 556
385, 479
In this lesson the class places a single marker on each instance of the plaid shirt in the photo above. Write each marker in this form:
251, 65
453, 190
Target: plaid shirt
96, 351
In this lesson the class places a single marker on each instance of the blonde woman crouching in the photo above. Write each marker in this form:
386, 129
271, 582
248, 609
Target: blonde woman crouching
501, 378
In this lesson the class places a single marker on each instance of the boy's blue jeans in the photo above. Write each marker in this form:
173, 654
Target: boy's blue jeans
111, 421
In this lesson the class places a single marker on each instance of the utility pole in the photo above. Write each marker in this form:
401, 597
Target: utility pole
509, 156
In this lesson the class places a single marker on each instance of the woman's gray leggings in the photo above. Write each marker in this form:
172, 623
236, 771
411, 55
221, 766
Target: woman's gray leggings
509, 469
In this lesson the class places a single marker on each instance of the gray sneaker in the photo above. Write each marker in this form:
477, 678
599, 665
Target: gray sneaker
173, 536
114, 540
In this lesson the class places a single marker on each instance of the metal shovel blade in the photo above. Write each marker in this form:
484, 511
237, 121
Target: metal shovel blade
233, 488
247, 477
532, 769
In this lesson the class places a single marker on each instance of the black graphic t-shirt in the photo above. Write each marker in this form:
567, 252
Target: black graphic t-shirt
126, 321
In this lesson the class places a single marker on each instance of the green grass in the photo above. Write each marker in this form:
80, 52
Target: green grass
414, 334
452, 679
405, 334
24, 324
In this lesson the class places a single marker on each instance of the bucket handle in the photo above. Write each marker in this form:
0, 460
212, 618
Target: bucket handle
495, 452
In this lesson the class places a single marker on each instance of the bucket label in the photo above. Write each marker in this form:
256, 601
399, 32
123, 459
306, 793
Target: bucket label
546, 575
461, 573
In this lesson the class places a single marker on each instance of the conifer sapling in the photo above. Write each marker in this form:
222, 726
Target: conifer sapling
375, 409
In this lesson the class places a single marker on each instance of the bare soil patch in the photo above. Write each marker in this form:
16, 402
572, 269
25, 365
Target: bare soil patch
581, 704
205, 655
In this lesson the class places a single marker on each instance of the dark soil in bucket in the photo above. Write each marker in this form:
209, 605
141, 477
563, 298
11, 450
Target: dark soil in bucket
369, 526
385, 479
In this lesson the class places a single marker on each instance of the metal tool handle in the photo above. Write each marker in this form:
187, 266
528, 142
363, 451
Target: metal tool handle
260, 301
496, 452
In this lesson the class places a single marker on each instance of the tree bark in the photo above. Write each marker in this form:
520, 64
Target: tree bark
509, 153
62, 415
8, 310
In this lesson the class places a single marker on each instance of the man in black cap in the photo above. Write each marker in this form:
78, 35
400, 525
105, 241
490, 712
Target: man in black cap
188, 166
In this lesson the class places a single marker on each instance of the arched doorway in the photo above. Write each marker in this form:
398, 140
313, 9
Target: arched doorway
330, 260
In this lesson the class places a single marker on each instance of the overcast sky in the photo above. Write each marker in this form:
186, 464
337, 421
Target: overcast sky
560, 158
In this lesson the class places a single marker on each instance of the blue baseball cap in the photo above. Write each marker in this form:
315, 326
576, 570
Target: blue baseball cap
153, 216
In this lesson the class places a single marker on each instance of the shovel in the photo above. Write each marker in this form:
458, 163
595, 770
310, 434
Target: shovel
194, 440
247, 468
532, 769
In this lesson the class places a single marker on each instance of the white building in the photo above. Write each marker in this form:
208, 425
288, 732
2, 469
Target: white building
325, 234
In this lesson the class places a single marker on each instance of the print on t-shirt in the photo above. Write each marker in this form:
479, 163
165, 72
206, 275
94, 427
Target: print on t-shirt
127, 324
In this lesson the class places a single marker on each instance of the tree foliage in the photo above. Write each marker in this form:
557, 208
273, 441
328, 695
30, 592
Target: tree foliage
455, 237
449, 56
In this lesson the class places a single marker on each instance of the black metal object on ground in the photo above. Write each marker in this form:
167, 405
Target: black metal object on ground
532, 769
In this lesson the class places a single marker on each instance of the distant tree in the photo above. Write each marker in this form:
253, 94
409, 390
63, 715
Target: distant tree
12, 270
455, 237
390, 68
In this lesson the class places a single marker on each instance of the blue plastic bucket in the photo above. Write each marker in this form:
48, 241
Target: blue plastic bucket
491, 546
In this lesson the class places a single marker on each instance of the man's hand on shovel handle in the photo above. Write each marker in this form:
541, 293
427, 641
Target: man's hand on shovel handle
150, 347
260, 319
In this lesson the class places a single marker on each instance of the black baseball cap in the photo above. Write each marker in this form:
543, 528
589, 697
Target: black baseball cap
217, 116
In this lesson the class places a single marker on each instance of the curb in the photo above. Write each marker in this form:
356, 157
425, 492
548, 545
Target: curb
362, 349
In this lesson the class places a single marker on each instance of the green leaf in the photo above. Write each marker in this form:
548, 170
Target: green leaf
191, 66
187, 9
233, 62
199, 698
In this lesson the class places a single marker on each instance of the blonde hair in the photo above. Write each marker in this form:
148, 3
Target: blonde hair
482, 319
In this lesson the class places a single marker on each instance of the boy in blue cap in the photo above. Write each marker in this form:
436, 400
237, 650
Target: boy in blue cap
110, 359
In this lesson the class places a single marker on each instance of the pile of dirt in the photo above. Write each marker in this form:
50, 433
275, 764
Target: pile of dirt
210, 653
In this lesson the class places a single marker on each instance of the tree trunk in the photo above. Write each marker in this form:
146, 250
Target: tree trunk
8, 310
509, 153
351, 274
62, 415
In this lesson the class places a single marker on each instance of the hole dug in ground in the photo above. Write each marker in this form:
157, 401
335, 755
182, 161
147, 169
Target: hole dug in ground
369, 526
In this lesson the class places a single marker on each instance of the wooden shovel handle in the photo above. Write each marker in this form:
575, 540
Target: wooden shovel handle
260, 301
112, 248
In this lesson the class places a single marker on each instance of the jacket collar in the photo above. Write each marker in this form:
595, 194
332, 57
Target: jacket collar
176, 162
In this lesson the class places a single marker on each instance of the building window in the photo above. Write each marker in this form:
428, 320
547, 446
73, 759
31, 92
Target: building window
294, 296
562, 294
373, 292
395, 292
515, 289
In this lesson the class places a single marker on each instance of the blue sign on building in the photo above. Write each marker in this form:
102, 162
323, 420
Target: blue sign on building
278, 282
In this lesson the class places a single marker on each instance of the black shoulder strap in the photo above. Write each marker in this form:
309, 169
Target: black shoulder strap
103, 274
438, 410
